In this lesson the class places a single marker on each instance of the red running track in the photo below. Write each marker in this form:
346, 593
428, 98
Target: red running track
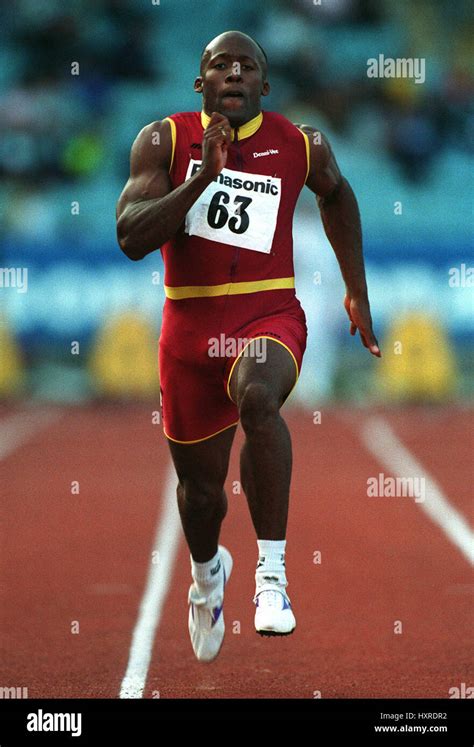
74, 565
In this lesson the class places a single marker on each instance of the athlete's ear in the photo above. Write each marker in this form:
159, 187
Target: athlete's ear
198, 85
265, 88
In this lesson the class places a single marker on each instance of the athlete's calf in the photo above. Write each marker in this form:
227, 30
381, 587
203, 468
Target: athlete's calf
202, 502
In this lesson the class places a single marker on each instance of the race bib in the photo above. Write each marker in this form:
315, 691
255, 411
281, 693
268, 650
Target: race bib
236, 208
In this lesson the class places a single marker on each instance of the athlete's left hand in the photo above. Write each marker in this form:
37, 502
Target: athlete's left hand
358, 311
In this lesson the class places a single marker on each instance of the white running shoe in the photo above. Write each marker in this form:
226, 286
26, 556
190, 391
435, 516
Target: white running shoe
206, 617
273, 615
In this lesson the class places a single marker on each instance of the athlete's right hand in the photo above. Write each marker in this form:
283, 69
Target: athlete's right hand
215, 144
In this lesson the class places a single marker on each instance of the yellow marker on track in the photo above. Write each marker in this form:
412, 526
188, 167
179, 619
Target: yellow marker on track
418, 362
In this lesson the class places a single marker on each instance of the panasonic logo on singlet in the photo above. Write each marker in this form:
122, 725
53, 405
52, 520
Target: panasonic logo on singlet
249, 184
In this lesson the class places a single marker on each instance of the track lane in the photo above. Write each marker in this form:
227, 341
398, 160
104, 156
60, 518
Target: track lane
85, 557
78, 557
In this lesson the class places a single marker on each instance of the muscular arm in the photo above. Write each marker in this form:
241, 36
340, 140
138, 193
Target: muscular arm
341, 221
149, 210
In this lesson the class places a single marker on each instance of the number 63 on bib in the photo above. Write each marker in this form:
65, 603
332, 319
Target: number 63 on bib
237, 208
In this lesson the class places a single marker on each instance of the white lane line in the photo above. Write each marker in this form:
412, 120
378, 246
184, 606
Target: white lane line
166, 544
381, 441
17, 429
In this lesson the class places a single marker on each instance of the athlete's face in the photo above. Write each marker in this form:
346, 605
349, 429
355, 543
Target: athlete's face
232, 81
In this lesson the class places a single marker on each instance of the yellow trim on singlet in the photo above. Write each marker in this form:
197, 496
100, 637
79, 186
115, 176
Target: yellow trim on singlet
308, 156
259, 337
197, 440
246, 130
173, 139
177, 293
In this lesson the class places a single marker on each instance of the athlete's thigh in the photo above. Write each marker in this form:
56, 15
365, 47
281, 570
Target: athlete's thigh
204, 463
273, 365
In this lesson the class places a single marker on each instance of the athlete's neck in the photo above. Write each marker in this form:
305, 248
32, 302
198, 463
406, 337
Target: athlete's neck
244, 130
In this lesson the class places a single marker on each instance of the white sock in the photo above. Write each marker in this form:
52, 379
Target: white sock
208, 574
271, 561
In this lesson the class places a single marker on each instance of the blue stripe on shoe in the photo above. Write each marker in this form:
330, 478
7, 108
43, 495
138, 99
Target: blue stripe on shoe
215, 614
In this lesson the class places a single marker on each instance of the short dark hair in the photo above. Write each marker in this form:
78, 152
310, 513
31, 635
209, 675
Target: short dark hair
264, 54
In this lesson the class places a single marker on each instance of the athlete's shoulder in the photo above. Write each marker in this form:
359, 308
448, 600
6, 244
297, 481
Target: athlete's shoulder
318, 141
144, 153
165, 127
151, 132
309, 129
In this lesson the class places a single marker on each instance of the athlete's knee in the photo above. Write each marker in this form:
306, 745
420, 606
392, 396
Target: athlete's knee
202, 495
258, 407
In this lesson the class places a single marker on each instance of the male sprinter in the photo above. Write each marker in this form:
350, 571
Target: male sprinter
216, 191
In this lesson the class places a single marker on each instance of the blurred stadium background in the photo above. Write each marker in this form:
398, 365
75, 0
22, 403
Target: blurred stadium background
78, 80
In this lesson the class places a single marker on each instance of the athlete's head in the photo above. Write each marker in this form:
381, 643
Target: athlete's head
233, 77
